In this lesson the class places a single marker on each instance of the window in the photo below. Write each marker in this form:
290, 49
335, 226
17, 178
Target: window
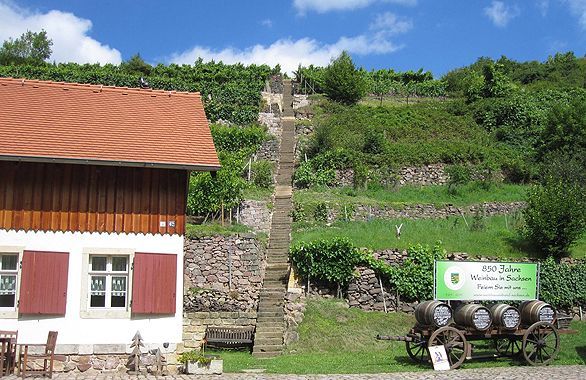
8, 276
108, 282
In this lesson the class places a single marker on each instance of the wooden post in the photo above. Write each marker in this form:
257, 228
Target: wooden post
506, 222
380, 282
222, 214
249, 168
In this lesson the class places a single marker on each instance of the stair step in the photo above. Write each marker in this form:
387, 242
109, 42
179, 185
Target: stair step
269, 335
274, 348
266, 355
262, 342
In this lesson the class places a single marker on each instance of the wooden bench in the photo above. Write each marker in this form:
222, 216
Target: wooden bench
229, 336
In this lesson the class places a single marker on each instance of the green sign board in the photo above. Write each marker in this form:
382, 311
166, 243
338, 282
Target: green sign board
482, 280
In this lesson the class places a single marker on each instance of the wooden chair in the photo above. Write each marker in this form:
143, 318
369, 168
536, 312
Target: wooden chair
9, 339
48, 357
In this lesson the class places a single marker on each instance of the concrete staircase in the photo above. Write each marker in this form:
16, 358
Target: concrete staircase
270, 324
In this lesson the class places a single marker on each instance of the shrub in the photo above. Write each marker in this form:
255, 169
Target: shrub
414, 278
555, 216
298, 212
562, 285
320, 213
342, 82
262, 173
332, 260
459, 175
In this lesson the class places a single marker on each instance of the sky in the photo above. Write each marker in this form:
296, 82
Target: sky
435, 35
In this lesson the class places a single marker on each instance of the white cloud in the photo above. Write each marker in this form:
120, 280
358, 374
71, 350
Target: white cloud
323, 6
267, 22
578, 8
69, 33
289, 53
500, 14
543, 6
391, 23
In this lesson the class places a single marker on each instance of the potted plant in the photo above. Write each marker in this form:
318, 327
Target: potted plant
197, 363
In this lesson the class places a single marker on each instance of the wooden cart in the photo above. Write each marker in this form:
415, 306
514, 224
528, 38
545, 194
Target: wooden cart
537, 344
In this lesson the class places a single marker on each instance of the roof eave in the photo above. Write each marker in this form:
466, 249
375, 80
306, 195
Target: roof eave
88, 161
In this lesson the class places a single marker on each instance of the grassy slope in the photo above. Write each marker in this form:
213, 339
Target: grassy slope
495, 239
336, 339
468, 194
412, 134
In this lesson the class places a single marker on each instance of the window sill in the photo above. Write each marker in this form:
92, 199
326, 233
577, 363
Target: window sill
105, 314
8, 314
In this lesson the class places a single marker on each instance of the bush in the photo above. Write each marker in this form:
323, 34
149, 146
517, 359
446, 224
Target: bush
262, 174
555, 216
320, 213
562, 285
459, 175
342, 82
414, 278
332, 260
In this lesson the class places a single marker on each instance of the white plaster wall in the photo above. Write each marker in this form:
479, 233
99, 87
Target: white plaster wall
74, 330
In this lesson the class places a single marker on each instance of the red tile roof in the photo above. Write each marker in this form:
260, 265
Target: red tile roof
80, 123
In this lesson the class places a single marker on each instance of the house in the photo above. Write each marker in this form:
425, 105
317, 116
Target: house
93, 188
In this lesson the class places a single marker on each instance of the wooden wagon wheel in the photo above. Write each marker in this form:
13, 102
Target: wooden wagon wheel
541, 343
454, 342
507, 346
417, 349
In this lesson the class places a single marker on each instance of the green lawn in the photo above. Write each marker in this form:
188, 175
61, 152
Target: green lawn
471, 193
210, 229
497, 237
336, 339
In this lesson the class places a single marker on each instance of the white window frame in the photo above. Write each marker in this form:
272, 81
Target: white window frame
104, 312
12, 312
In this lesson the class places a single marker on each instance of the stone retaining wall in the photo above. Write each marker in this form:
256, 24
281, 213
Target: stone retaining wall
256, 215
422, 211
426, 175
223, 273
294, 311
195, 323
273, 123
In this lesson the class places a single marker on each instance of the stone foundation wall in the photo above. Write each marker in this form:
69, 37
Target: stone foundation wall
256, 215
195, 323
107, 363
223, 273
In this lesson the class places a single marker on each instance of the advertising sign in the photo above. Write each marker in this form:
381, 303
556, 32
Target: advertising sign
482, 280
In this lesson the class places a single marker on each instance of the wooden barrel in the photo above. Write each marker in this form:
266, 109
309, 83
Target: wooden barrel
505, 316
433, 313
536, 311
473, 316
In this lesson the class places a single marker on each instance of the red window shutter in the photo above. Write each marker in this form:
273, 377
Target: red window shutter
43, 286
154, 283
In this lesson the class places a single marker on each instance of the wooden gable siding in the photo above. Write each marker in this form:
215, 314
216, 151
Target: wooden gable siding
90, 198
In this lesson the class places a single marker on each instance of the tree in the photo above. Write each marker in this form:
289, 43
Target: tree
30, 48
342, 82
565, 129
555, 215
136, 65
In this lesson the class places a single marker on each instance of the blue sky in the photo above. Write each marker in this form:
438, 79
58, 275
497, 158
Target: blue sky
436, 35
